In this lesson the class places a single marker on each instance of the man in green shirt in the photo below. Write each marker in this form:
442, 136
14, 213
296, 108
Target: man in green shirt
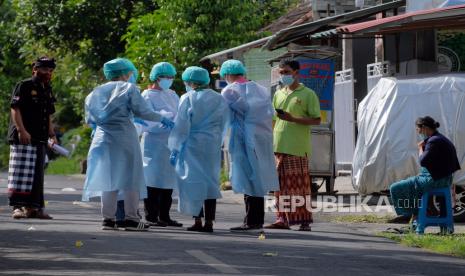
297, 109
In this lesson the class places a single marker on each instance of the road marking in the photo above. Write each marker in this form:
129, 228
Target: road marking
213, 262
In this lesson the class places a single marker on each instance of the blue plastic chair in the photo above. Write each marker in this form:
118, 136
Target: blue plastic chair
446, 218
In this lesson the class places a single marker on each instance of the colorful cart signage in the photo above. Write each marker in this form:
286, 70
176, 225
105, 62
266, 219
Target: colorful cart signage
318, 75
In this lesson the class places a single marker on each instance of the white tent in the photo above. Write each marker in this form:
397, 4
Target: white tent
386, 149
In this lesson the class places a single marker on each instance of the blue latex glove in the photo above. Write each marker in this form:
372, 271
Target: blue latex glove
140, 122
174, 157
167, 123
93, 126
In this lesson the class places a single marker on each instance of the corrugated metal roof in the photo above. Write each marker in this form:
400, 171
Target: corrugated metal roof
243, 47
380, 25
298, 15
286, 36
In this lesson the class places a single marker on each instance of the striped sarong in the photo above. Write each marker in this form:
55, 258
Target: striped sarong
294, 180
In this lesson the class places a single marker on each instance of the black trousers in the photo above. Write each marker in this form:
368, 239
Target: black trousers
36, 198
209, 209
254, 210
157, 205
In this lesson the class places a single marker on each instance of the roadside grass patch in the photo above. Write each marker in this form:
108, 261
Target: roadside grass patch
445, 244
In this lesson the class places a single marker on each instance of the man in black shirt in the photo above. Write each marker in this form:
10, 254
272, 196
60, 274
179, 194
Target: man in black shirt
32, 104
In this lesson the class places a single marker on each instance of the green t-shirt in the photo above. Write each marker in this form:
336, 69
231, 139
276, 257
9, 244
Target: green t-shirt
292, 138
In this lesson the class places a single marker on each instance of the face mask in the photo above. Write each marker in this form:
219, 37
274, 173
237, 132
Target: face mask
422, 136
188, 88
165, 84
132, 79
287, 80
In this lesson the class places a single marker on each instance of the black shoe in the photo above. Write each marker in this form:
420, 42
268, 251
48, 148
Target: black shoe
207, 228
171, 223
108, 224
120, 224
246, 227
157, 223
130, 225
195, 227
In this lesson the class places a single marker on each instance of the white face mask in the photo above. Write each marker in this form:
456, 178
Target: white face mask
165, 83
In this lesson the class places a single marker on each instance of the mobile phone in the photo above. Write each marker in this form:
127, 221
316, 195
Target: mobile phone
279, 111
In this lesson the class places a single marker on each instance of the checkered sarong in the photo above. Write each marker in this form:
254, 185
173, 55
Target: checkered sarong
21, 169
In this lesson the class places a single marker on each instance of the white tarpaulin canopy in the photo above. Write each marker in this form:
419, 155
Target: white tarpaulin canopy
386, 149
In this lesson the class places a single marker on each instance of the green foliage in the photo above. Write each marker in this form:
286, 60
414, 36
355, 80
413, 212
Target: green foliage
83, 34
78, 140
63, 166
12, 69
183, 31
91, 30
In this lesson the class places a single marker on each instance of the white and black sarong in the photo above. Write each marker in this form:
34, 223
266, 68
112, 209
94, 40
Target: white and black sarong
21, 168
26, 175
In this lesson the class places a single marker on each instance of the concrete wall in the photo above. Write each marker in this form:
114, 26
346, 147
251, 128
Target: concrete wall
320, 7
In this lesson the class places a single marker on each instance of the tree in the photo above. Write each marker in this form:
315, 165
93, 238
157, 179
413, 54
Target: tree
183, 31
12, 69
90, 30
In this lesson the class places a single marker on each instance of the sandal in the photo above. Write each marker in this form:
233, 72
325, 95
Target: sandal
42, 215
30, 212
277, 225
18, 214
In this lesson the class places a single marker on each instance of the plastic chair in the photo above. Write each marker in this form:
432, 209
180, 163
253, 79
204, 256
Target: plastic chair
445, 220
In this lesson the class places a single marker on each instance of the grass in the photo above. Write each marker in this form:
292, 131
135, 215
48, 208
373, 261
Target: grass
63, 166
445, 244
360, 218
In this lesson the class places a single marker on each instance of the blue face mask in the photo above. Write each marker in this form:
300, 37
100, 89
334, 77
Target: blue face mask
422, 136
188, 88
165, 84
287, 80
132, 79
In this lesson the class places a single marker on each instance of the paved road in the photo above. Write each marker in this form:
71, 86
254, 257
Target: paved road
35, 247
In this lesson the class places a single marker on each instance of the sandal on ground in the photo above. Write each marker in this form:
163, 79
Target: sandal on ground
42, 215
30, 212
401, 230
18, 214
277, 225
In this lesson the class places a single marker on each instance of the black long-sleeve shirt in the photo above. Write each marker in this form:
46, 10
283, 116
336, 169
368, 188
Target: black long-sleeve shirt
439, 156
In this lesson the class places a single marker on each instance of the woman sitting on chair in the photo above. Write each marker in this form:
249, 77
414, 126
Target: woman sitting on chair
438, 160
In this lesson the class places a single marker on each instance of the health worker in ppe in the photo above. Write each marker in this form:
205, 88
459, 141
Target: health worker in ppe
253, 170
114, 165
160, 176
195, 144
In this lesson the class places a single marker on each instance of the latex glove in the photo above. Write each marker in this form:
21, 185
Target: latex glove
174, 157
167, 123
140, 122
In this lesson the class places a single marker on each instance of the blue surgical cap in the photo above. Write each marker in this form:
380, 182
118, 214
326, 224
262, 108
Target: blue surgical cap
232, 67
162, 69
118, 67
196, 75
